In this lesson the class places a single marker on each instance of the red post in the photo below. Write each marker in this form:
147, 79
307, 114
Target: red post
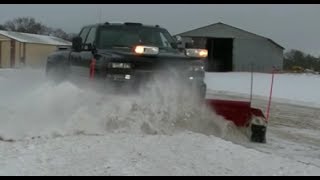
92, 68
251, 88
270, 97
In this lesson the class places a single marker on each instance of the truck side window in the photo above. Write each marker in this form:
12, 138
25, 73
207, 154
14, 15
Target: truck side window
164, 41
84, 34
91, 36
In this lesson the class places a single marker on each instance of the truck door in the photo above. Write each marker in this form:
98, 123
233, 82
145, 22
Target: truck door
86, 54
80, 61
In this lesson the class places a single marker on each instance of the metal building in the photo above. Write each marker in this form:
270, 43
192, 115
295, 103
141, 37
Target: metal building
20, 49
234, 49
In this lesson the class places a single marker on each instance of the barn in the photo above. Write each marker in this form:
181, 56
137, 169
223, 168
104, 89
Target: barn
23, 49
234, 49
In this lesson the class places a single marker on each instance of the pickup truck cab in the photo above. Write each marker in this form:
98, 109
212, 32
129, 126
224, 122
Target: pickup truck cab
127, 53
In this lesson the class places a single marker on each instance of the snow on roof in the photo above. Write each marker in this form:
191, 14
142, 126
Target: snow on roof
35, 38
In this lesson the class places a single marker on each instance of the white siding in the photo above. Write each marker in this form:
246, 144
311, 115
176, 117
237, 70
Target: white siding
247, 47
262, 53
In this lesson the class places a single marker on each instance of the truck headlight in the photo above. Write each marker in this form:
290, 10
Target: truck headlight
201, 53
147, 50
121, 65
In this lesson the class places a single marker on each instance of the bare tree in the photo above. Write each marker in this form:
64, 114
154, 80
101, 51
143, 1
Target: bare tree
60, 33
71, 36
298, 58
30, 25
2, 27
25, 25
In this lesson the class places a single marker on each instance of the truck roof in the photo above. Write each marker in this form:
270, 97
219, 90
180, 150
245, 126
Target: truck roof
122, 24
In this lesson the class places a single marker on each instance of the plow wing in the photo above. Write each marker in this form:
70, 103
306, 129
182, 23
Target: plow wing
242, 115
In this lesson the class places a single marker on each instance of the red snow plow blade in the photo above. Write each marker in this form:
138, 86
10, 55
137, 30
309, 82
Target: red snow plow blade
242, 115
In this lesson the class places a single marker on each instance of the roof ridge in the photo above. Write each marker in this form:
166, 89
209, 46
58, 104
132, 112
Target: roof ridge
35, 38
234, 28
199, 28
29, 33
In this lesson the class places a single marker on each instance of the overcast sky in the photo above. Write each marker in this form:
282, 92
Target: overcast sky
292, 26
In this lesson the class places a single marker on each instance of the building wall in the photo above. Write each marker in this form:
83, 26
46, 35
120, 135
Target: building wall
5, 54
247, 47
5, 51
262, 53
17, 54
36, 54
29, 54
3, 37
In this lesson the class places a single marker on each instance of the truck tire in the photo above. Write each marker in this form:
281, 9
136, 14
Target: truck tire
203, 91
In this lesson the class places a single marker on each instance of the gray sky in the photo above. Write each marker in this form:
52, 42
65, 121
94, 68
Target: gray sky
292, 26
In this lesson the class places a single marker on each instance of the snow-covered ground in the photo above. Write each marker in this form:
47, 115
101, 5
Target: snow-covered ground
302, 89
67, 130
123, 154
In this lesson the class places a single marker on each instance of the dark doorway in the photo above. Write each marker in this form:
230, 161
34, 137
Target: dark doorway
12, 53
220, 54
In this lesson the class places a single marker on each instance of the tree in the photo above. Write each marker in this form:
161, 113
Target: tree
59, 33
25, 25
2, 27
71, 36
30, 25
298, 58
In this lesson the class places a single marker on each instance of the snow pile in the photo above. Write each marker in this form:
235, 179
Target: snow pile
31, 106
121, 154
293, 88
164, 131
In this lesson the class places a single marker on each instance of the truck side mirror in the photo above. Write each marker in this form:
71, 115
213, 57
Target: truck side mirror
179, 40
77, 44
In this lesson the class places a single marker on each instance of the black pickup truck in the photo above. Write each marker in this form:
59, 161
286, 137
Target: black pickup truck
127, 53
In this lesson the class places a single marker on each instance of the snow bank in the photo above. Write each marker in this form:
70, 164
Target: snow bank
120, 154
293, 88
31, 106
153, 134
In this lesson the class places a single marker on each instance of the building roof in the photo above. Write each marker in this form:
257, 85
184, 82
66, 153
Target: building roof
35, 38
214, 30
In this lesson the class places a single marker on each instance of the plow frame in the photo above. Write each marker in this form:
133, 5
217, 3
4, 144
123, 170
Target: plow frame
243, 115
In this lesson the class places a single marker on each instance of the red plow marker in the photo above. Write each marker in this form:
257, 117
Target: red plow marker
92, 68
243, 115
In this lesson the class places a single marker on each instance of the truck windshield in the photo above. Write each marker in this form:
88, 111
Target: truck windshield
129, 36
